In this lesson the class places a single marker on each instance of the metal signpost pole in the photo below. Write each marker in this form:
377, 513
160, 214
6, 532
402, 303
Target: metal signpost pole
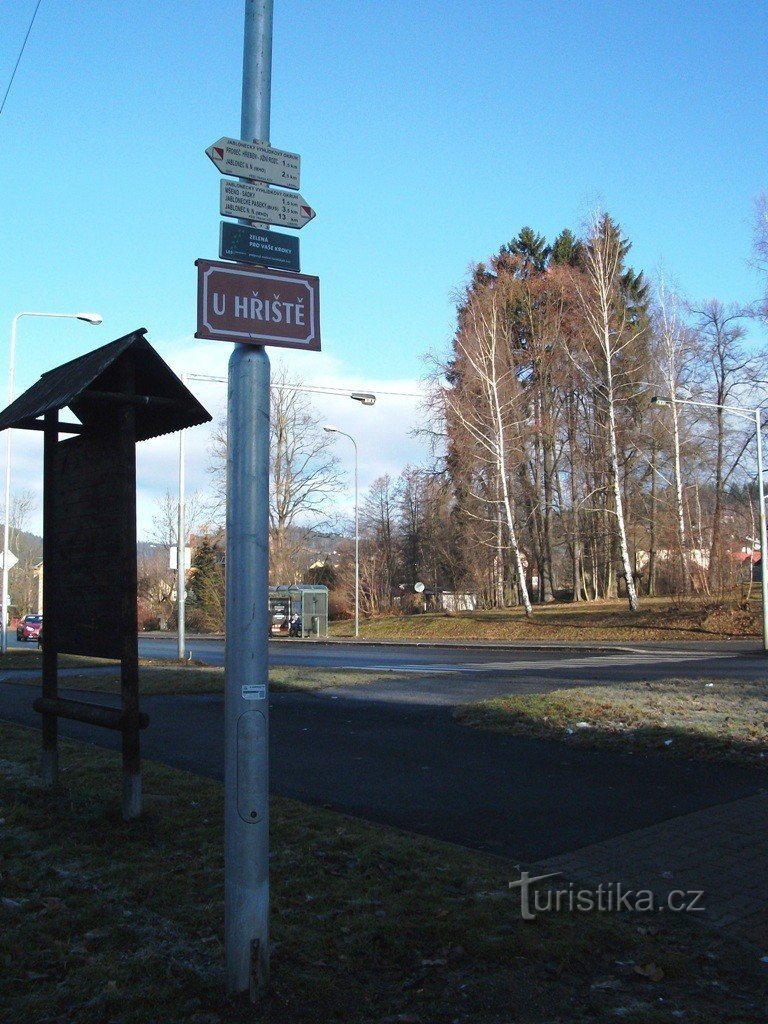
246, 825
181, 553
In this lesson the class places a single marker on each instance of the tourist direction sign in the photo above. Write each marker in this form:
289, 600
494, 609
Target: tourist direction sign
246, 244
257, 161
260, 307
265, 205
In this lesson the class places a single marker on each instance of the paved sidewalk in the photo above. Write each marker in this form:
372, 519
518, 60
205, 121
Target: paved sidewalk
722, 850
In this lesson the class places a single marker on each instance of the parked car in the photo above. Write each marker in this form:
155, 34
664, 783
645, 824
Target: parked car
29, 627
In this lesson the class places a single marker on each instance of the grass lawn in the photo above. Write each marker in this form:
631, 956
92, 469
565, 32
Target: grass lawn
714, 719
103, 921
31, 657
172, 677
608, 622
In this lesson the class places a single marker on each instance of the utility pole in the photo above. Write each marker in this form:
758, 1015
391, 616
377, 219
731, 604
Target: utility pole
246, 787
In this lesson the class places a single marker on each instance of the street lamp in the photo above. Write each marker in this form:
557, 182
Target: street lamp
89, 318
335, 430
753, 415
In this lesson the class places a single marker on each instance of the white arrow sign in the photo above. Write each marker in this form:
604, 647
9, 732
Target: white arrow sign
256, 160
12, 559
264, 205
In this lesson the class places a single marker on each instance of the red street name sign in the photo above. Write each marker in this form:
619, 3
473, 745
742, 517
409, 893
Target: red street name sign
257, 307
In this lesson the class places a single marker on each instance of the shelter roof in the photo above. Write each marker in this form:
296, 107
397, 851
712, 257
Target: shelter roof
92, 387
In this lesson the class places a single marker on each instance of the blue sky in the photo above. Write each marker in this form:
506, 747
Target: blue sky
430, 134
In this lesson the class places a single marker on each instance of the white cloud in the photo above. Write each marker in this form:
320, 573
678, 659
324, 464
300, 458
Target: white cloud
382, 431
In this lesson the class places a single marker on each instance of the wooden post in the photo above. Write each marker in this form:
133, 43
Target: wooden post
49, 765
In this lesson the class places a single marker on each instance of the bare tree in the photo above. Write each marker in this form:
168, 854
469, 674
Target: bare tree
304, 473
614, 331
485, 403
165, 522
729, 370
761, 245
21, 577
157, 581
674, 365
378, 530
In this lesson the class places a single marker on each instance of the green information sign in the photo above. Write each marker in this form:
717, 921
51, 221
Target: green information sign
245, 244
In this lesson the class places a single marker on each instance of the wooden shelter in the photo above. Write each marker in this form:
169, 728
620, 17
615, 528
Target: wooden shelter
119, 394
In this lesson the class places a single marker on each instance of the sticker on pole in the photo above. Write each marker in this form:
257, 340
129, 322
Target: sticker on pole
255, 691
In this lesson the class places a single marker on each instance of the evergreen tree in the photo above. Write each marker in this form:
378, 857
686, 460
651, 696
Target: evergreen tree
566, 250
207, 581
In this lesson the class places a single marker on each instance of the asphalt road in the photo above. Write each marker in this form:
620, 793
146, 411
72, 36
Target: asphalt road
737, 659
392, 753
453, 674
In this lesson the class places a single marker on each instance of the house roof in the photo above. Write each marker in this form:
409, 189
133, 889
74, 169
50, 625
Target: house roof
91, 387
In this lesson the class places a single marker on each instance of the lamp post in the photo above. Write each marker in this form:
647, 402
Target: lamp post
335, 430
753, 415
89, 318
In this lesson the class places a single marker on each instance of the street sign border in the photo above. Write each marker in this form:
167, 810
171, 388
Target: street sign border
204, 269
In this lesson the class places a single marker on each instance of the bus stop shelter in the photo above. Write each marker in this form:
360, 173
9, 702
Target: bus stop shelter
307, 601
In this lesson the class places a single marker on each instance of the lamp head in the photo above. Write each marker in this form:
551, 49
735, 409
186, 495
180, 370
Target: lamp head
330, 430
90, 318
363, 397
659, 400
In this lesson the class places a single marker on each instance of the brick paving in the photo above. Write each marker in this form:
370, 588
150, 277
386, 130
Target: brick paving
722, 850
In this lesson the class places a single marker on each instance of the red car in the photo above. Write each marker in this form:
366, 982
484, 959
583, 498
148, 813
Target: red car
29, 627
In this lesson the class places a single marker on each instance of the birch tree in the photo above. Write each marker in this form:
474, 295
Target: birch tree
614, 330
674, 341
485, 404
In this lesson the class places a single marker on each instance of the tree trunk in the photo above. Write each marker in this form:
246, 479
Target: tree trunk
716, 547
616, 482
